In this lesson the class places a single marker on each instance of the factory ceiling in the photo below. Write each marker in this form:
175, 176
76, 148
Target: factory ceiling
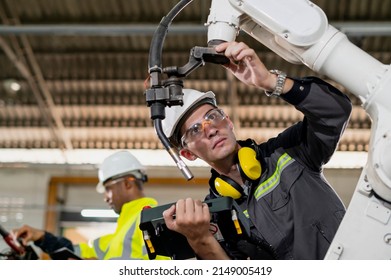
72, 72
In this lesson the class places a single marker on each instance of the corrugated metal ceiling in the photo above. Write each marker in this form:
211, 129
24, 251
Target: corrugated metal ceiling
82, 65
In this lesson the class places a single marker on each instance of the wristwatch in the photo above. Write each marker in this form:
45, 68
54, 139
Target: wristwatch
281, 77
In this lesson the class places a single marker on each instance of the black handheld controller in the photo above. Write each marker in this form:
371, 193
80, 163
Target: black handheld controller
229, 223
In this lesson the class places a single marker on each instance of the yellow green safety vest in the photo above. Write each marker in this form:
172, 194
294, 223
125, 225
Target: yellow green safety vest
126, 242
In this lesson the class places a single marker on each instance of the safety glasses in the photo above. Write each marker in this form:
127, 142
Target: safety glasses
213, 117
113, 182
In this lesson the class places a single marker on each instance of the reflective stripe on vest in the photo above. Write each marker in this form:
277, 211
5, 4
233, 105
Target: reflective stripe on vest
99, 253
126, 248
272, 182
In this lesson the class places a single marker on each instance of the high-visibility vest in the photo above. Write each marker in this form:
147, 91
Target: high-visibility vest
126, 242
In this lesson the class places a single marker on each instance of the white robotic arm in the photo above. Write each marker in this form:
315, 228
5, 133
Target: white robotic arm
299, 32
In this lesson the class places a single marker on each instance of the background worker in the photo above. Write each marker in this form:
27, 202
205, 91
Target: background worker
121, 179
292, 210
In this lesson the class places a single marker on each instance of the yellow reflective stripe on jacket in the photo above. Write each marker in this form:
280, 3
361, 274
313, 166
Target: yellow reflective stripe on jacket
245, 212
265, 187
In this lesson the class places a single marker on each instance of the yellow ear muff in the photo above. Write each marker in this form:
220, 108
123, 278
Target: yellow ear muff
250, 166
226, 189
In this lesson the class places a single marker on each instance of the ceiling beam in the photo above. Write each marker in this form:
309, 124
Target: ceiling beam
353, 29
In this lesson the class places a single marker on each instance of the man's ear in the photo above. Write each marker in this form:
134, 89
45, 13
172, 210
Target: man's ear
187, 154
128, 183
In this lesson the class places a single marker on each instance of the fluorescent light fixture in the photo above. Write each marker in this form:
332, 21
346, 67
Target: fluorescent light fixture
98, 213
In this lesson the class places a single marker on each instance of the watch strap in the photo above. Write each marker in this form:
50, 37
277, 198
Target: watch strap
281, 77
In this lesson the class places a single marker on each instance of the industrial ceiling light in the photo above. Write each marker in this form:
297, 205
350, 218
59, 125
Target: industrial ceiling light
11, 86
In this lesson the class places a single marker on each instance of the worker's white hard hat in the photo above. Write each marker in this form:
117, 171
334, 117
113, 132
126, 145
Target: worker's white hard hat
176, 115
117, 165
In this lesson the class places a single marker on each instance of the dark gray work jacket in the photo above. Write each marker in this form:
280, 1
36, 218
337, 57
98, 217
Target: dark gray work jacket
292, 208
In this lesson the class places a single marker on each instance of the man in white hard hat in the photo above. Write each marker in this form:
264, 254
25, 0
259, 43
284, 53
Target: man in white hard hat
121, 179
293, 212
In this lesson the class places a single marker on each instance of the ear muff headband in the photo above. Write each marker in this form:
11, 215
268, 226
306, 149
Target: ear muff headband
227, 187
248, 163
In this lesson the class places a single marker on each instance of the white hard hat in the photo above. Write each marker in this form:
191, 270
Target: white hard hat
176, 115
117, 165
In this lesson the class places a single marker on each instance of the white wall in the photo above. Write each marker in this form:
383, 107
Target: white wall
22, 198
